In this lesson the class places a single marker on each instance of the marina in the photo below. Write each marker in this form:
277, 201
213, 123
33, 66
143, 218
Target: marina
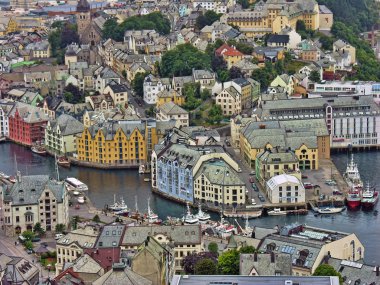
104, 184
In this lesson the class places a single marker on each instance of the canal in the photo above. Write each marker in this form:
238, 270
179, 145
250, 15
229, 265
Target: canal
104, 184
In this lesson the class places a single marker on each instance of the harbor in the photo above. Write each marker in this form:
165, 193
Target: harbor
104, 184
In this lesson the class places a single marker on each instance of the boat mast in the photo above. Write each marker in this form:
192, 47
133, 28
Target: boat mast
137, 209
56, 166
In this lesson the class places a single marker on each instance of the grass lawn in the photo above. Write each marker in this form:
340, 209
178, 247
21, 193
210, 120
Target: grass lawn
19, 64
294, 66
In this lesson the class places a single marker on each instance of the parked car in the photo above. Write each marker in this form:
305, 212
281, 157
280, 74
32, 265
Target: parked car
308, 185
36, 239
251, 180
337, 192
58, 236
322, 197
255, 188
261, 198
29, 251
304, 176
253, 201
330, 182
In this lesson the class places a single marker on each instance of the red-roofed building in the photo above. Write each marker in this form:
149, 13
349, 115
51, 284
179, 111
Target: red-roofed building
68, 276
105, 256
230, 54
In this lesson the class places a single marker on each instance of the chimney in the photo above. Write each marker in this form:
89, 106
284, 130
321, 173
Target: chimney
377, 270
255, 257
18, 176
272, 257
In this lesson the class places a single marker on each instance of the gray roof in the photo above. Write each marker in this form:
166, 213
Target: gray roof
275, 156
265, 264
251, 280
83, 237
220, 173
121, 275
170, 108
108, 73
109, 129
67, 124
180, 234
28, 189
28, 113
110, 236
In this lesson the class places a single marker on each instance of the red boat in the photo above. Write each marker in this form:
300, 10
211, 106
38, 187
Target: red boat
354, 197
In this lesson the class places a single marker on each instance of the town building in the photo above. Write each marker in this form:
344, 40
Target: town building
205, 78
272, 16
26, 124
230, 54
100, 102
104, 76
174, 167
326, 18
351, 120
309, 247
171, 111
285, 188
342, 47
60, 134
110, 236
89, 29
5, 108
230, 101
153, 86
219, 183
72, 245
183, 239
39, 49
34, 199
118, 93
121, 274
17, 270
270, 163
170, 95
264, 264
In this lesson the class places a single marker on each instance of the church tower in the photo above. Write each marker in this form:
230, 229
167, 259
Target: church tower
83, 17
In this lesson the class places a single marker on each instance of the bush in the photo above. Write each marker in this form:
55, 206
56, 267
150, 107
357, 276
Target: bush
96, 219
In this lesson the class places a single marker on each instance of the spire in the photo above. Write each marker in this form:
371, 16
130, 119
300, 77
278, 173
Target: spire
83, 6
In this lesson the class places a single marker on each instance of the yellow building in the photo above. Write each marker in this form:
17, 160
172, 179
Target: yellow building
171, 95
218, 183
230, 54
7, 25
272, 16
120, 144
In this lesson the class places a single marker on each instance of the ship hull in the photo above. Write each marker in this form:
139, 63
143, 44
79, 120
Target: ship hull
353, 204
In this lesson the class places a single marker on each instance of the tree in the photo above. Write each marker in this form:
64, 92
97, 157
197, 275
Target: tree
247, 249
215, 114
60, 228
37, 229
192, 89
72, 94
327, 270
213, 247
235, 72
244, 3
264, 75
181, 60
228, 262
191, 260
205, 266
207, 19
300, 26
96, 219
124, 73
138, 83
315, 76
28, 235
111, 29
29, 244
205, 94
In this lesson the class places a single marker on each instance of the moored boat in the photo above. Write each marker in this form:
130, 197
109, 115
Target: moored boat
63, 161
118, 206
329, 210
276, 212
38, 149
202, 216
189, 218
354, 197
151, 216
142, 169
370, 198
352, 175
80, 199
74, 184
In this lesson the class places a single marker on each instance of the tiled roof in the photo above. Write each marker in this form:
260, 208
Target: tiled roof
123, 276
67, 124
169, 108
265, 264
226, 50
220, 173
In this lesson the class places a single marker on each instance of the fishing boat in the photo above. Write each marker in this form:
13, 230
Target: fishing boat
136, 214
354, 197
352, 175
123, 212
74, 184
63, 162
276, 212
370, 198
225, 229
151, 216
118, 206
142, 169
3, 175
12, 179
39, 149
189, 218
202, 216
146, 179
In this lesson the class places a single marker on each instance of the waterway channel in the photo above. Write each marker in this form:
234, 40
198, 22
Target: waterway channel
104, 184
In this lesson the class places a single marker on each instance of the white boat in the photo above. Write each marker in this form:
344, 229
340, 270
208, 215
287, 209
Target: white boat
74, 184
80, 199
202, 216
142, 169
225, 229
276, 212
189, 218
118, 206
146, 179
76, 193
151, 216
352, 175
123, 212
332, 210
3, 175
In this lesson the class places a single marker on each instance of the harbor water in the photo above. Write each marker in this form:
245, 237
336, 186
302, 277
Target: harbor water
104, 184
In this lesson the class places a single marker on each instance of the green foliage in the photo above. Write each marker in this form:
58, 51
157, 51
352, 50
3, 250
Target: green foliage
72, 94
315, 76
228, 263
264, 75
182, 59
207, 19
327, 270
153, 21
242, 47
205, 266
29, 244
28, 235
205, 94
244, 3
37, 229
247, 249
223, 75
138, 83
213, 247
303, 31
60, 228
124, 73
96, 219
215, 115
326, 41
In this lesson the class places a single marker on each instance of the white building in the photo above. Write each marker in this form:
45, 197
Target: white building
347, 88
152, 86
219, 7
285, 188
294, 37
230, 101
5, 108
104, 76
170, 111
34, 199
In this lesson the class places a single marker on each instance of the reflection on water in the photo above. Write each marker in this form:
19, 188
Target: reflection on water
103, 184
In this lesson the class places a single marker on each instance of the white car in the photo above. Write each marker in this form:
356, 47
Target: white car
253, 201
80, 199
